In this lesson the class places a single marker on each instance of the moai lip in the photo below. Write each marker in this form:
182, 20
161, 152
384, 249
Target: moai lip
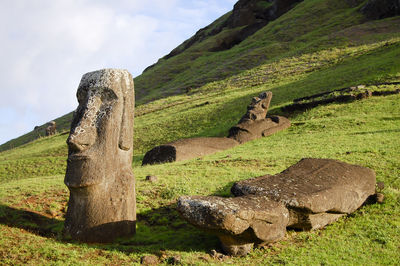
102, 203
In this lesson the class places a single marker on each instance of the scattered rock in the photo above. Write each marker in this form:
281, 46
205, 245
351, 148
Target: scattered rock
174, 260
380, 186
151, 178
380, 197
149, 260
307, 196
218, 256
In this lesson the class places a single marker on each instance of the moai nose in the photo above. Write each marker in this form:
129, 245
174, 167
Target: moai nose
83, 135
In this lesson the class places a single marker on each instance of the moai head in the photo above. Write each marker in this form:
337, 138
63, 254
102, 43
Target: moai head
258, 108
102, 204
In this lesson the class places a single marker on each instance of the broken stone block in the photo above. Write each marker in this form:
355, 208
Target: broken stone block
308, 196
238, 222
102, 203
255, 123
186, 149
314, 186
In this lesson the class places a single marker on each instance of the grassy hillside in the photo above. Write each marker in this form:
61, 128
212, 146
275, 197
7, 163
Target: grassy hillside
341, 51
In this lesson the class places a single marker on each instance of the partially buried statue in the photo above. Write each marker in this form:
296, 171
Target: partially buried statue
254, 124
102, 203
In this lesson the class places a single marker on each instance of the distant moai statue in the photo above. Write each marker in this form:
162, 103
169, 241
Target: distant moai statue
102, 203
255, 123
51, 129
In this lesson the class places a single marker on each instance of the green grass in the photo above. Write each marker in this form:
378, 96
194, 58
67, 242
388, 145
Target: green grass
323, 57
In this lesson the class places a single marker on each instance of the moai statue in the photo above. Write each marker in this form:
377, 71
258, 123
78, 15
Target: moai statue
51, 129
102, 203
255, 123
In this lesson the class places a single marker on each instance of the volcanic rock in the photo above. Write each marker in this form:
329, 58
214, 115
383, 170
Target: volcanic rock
102, 203
307, 196
239, 222
187, 149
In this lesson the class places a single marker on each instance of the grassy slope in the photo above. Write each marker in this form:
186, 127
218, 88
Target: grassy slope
364, 132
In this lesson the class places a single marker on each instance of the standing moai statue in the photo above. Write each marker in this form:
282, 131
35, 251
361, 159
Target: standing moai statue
51, 129
102, 203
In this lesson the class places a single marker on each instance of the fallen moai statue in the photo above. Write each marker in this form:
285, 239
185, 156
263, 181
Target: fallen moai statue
308, 195
187, 149
102, 203
253, 125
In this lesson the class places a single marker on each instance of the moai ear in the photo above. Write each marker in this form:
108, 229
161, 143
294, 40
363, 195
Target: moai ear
126, 132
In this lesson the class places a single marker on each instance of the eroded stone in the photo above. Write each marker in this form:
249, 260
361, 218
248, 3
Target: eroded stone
238, 222
308, 196
102, 203
255, 123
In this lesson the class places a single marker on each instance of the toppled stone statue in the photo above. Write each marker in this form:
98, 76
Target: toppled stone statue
51, 129
187, 149
308, 195
102, 203
253, 125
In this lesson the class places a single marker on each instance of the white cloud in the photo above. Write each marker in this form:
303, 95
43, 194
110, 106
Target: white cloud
47, 45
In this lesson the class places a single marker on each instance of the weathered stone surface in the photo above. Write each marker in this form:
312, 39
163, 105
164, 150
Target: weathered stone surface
149, 260
307, 195
51, 129
379, 9
239, 222
186, 149
314, 186
255, 123
102, 203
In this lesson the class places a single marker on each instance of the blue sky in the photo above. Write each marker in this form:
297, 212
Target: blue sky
47, 45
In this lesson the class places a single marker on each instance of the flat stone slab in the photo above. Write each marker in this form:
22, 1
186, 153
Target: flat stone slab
308, 196
238, 222
186, 149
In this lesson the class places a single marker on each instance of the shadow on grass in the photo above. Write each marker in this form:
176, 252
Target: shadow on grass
157, 230
33, 222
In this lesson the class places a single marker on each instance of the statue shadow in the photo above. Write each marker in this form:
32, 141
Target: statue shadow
157, 230
32, 222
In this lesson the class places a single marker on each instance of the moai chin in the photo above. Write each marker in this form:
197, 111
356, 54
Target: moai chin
102, 203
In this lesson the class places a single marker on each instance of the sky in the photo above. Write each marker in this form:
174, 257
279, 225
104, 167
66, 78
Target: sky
47, 45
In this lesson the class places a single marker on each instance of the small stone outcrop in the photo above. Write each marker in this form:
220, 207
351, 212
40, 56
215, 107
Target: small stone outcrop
255, 123
51, 129
102, 203
186, 149
379, 9
308, 195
